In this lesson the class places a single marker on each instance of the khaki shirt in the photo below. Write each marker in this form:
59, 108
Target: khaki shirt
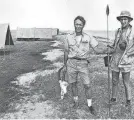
79, 49
118, 52
125, 61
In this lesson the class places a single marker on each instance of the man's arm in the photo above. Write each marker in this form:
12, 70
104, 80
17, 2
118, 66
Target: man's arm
103, 50
100, 50
96, 47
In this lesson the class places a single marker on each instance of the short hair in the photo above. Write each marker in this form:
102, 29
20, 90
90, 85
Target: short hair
81, 19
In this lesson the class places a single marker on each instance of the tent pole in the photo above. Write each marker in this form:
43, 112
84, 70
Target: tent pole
51, 33
9, 44
4, 53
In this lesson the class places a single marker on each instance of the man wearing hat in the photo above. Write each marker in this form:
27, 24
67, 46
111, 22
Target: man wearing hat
122, 56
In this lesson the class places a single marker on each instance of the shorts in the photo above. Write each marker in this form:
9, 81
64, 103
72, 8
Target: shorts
115, 61
115, 68
78, 69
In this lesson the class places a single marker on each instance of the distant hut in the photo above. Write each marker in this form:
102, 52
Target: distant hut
35, 33
55, 31
25, 34
43, 33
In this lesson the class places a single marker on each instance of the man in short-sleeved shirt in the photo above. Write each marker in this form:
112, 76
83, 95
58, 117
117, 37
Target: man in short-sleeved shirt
77, 52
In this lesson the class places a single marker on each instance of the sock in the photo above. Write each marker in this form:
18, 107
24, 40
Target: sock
89, 102
76, 98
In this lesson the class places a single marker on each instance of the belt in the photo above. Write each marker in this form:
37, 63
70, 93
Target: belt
80, 59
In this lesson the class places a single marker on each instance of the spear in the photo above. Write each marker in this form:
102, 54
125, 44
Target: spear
107, 13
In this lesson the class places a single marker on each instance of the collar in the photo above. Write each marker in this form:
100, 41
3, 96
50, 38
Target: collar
74, 34
126, 29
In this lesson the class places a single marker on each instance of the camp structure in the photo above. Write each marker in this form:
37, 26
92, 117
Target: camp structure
36, 33
43, 33
55, 31
25, 33
5, 36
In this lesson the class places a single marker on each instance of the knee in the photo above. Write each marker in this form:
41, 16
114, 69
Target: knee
126, 77
74, 84
87, 86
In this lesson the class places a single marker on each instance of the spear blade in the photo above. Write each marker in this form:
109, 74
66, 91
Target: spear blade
107, 10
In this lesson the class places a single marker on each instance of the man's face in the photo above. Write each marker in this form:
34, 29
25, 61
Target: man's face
124, 22
78, 26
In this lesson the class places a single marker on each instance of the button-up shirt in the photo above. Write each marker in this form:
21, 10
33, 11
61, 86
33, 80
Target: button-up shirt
79, 46
118, 53
126, 62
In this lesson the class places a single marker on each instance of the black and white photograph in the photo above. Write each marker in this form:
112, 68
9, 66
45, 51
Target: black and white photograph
66, 59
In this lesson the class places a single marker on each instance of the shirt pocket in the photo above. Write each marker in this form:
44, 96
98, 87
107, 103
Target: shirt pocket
85, 45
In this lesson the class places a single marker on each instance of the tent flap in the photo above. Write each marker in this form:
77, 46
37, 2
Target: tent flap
5, 36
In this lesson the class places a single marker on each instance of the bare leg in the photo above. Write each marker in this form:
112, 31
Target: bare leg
126, 82
74, 89
88, 91
75, 94
115, 81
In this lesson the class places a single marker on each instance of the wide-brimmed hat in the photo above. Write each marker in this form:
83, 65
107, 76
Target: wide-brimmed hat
125, 14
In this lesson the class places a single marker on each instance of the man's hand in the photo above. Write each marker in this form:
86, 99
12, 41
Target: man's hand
105, 51
111, 49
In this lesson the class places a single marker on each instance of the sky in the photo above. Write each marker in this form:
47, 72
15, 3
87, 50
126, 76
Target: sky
61, 13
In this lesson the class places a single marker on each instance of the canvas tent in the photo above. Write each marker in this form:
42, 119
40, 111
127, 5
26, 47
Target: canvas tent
35, 33
5, 36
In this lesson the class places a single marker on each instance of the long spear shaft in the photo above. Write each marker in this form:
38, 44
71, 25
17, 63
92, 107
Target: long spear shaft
107, 12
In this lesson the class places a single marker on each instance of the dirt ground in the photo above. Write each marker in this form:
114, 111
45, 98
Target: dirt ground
40, 98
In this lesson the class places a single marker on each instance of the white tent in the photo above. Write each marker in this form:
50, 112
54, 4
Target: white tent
5, 36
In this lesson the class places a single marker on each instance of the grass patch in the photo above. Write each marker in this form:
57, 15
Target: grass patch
49, 87
21, 58
45, 91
